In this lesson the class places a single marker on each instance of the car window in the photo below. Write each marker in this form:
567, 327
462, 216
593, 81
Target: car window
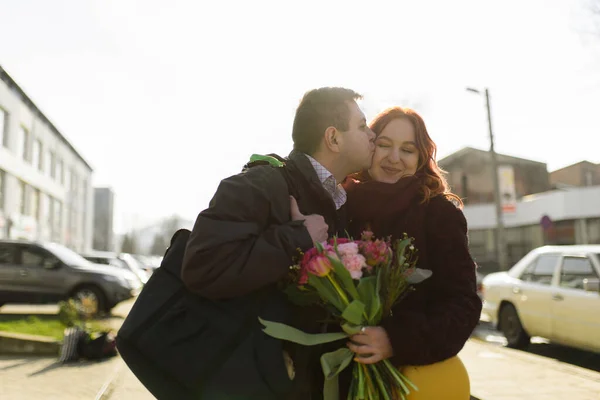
7, 254
541, 270
575, 270
35, 257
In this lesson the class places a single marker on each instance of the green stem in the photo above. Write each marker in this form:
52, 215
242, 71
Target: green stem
338, 289
379, 380
369, 382
400, 378
361, 382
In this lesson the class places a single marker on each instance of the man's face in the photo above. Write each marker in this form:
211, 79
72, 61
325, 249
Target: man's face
357, 142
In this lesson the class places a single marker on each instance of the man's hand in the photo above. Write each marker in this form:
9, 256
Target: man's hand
314, 223
371, 346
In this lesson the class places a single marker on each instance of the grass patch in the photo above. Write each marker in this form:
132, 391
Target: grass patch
49, 326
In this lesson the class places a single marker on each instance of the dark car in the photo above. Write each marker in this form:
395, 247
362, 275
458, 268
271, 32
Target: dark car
43, 272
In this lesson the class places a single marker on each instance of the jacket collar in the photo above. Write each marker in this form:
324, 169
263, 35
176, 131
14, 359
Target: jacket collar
305, 167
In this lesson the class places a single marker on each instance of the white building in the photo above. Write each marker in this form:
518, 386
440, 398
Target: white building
45, 184
568, 216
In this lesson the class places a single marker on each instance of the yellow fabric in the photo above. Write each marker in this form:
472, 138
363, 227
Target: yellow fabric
446, 380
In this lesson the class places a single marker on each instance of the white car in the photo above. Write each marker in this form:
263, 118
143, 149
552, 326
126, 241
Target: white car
552, 292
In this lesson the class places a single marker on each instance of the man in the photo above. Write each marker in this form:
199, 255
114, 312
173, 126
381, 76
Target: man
244, 243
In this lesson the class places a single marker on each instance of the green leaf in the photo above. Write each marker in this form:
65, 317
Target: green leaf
418, 276
326, 291
351, 329
370, 297
344, 278
319, 247
354, 313
286, 332
400, 249
333, 363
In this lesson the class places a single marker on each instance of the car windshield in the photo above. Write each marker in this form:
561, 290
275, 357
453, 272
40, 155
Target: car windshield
118, 263
66, 255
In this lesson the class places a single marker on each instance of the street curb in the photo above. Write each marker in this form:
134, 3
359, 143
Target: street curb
19, 343
540, 360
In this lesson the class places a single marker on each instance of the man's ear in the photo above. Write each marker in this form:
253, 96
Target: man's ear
333, 139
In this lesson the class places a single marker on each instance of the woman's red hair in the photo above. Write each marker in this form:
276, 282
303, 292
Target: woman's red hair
435, 183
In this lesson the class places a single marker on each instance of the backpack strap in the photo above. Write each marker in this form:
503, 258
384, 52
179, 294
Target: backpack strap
277, 162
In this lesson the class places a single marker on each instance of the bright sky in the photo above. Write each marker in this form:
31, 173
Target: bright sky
165, 99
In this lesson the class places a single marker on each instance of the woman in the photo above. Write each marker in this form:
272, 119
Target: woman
405, 191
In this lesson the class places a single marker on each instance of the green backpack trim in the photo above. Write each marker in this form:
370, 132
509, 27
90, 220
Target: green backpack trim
268, 159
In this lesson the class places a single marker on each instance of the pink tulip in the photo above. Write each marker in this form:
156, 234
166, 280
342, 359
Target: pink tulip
319, 265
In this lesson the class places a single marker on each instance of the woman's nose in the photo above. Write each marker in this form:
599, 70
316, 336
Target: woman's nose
394, 156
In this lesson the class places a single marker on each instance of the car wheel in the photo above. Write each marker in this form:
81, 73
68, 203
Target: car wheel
511, 326
90, 300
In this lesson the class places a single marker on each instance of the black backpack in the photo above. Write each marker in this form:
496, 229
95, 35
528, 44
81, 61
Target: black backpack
182, 346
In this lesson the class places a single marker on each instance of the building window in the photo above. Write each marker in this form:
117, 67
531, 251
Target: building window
2, 189
59, 172
67, 182
21, 205
589, 181
49, 212
49, 161
22, 142
57, 219
35, 204
3, 127
45, 215
36, 154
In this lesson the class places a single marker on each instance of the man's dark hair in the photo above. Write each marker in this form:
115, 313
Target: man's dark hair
318, 110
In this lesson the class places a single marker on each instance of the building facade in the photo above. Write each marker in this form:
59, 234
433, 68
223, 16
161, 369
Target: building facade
557, 217
470, 175
45, 184
104, 204
583, 173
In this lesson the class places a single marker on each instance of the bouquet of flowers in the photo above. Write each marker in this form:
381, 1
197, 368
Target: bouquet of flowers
359, 281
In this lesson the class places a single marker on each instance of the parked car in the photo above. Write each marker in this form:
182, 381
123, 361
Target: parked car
147, 263
479, 277
121, 260
552, 292
41, 272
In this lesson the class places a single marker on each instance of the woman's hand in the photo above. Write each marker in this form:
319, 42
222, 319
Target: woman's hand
371, 345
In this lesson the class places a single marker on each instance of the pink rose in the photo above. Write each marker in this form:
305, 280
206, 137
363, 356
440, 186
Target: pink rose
347, 249
354, 264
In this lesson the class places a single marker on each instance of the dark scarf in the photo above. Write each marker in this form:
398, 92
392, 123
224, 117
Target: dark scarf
382, 207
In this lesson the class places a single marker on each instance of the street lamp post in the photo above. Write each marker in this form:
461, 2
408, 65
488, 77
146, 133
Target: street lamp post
500, 236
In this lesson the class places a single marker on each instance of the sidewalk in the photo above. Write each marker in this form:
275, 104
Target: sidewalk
499, 373
35, 378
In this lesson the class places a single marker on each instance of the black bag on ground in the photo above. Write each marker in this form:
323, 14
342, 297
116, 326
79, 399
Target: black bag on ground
182, 346
97, 347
